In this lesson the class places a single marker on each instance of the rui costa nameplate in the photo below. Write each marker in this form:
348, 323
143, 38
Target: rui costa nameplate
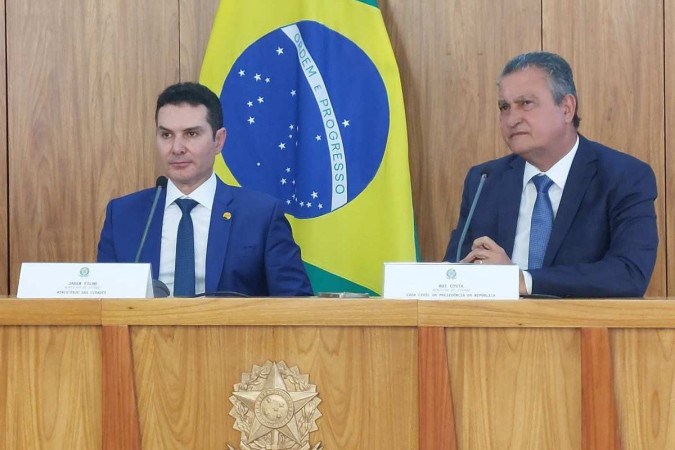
445, 281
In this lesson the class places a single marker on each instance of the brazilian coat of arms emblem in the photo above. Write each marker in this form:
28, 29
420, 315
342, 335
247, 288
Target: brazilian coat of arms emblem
275, 408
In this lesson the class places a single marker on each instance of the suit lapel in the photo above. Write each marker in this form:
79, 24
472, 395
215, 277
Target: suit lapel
153, 242
581, 173
219, 233
511, 189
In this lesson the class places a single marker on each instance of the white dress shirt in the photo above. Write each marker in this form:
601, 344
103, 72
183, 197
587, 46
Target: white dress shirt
201, 220
558, 174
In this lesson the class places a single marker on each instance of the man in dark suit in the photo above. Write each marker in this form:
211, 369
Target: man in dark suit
577, 217
205, 236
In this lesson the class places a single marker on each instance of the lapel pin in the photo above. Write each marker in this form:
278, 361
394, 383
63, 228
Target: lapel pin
227, 215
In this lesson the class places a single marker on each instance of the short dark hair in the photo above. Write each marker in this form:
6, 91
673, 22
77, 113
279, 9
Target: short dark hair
559, 74
193, 94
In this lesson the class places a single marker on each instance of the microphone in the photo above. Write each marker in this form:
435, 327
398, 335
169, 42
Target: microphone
159, 289
483, 177
159, 184
222, 294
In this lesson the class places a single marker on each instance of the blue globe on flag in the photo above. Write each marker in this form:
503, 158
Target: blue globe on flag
307, 118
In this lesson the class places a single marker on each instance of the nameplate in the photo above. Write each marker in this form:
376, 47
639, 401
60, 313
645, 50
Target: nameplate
85, 280
445, 281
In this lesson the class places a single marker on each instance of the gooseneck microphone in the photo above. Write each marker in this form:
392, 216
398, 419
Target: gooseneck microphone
159, 184
483, 177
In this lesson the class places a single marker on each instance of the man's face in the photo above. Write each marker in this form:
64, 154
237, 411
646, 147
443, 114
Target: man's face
187, 147
532, 125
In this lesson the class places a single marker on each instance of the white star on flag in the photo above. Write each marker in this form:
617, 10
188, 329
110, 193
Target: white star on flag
242, 73
257, 77
280, 51
318, 137
267, 80
345, 123
249, 103
309, 204
283, 181
293, 93
315, 194
288, 170
251, 120
282, 146
261, 100
320, 205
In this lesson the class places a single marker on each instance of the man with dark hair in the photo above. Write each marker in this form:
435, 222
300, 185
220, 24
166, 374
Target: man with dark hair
205, 236
576, 217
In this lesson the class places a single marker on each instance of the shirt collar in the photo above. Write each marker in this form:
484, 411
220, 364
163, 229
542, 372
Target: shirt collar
203, 195
558, 173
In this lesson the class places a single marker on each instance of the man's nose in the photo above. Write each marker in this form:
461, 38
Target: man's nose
178, 145
512, 117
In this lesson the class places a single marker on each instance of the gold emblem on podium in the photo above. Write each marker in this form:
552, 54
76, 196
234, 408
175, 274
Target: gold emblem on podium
275, 408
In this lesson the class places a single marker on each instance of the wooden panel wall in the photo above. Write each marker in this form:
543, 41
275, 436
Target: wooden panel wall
619, 65
503, 379
83, 77
4, 238
183, 382
50, 387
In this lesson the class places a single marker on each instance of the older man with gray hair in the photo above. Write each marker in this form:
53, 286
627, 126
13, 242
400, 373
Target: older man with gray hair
576, 217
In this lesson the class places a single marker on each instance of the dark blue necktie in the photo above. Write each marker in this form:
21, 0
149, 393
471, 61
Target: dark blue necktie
542, 222
184, 275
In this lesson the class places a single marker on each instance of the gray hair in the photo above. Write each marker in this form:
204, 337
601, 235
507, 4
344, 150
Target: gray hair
561, 80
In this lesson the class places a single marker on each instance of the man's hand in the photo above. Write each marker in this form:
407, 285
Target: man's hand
486, 251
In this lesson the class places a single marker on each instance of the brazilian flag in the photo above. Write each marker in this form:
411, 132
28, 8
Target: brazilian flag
314, 113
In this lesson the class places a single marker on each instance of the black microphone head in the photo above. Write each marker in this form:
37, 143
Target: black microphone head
161, 182
159, 289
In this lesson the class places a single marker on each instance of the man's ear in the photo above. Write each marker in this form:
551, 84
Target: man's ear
221, 135
569, 105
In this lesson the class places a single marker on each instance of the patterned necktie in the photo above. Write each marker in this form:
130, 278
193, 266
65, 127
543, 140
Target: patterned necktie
184, 275
542, 222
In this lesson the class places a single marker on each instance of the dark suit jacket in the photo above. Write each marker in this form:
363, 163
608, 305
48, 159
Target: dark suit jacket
604, 237
252, 253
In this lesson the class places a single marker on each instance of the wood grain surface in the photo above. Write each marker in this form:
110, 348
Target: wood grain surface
195, 21
668, 160
50, 387
436, 418
548, 313
83, 79
4, 168
516, 389
598, 405
620, 82
120, 423
644, 385
50, 312
280, 311
185, 376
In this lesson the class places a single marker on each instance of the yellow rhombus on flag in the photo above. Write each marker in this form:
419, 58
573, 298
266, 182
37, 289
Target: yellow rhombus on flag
314, 114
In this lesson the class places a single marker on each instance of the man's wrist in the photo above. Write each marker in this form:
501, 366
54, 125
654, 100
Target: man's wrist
525, 283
